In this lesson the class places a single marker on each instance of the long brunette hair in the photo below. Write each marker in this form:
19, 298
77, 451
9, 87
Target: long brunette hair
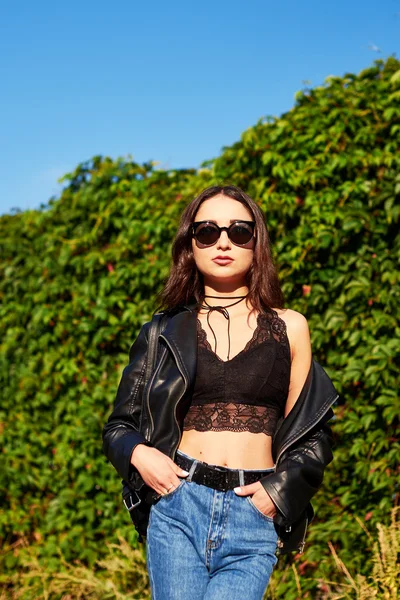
185, 284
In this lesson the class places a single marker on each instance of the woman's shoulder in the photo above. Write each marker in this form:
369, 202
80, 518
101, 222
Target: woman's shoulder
291, 317
296, 326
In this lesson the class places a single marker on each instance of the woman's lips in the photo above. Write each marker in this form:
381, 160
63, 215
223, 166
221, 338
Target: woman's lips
223, 261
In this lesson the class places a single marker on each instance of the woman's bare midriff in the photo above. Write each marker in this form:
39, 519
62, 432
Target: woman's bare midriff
235, 450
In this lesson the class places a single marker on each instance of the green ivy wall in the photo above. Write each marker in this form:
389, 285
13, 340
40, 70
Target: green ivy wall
78, 278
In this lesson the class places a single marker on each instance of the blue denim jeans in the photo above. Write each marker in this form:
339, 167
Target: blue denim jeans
209, 545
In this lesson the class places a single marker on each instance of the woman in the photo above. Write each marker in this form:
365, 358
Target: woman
230, 433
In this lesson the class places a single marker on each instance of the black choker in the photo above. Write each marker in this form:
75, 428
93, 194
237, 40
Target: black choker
221, 309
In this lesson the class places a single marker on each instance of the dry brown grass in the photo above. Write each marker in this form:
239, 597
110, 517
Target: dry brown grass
383, 582
121, 576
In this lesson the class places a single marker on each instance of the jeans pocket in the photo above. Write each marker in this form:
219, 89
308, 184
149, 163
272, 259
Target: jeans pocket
258, 511
173, 492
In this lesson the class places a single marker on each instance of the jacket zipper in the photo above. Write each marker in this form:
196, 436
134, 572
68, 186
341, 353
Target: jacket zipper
177, 359
296, 439
147, 434
303, 541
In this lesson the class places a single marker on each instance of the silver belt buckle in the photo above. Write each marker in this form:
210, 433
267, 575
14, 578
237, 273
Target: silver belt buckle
132, 504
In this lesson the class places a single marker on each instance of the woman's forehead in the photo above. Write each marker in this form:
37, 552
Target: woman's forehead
222, 208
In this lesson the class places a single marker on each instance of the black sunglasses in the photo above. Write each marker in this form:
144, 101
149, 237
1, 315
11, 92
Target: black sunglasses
207, 233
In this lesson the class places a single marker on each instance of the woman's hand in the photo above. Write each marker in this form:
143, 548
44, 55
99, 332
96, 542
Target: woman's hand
156, 469
259, 497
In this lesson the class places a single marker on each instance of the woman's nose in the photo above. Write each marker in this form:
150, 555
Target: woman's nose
223, 240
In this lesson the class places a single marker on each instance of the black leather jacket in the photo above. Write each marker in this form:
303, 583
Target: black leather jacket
301, 447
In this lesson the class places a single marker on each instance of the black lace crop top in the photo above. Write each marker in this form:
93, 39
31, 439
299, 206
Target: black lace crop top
247, 392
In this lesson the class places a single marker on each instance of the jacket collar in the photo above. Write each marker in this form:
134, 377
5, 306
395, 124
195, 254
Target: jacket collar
180, 331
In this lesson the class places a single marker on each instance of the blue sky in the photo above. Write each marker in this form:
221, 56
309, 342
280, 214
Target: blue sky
171, 82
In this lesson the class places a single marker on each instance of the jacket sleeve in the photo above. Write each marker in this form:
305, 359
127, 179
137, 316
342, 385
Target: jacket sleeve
121, 433
299, 474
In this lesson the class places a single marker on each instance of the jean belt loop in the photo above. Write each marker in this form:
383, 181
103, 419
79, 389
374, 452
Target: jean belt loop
192, 470
241, 477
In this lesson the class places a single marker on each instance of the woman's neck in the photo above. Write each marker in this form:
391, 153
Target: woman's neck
219, 296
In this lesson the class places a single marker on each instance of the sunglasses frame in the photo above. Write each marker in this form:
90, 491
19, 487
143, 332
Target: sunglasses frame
220, 229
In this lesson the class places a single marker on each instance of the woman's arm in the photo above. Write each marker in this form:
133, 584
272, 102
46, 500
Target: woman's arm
301, 353
121, 433
299, 473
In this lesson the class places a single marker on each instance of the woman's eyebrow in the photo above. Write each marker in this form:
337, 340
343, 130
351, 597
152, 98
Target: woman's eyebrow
231, 220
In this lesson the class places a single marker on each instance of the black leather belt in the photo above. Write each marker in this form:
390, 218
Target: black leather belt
219, 478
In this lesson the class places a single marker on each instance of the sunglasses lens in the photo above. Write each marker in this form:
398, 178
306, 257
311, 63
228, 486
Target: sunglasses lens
207, 234
241, 233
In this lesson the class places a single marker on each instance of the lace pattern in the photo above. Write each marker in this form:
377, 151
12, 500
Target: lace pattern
223, 416
248, 392
268, 325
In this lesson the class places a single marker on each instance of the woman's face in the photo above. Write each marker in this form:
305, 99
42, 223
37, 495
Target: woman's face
222, 210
